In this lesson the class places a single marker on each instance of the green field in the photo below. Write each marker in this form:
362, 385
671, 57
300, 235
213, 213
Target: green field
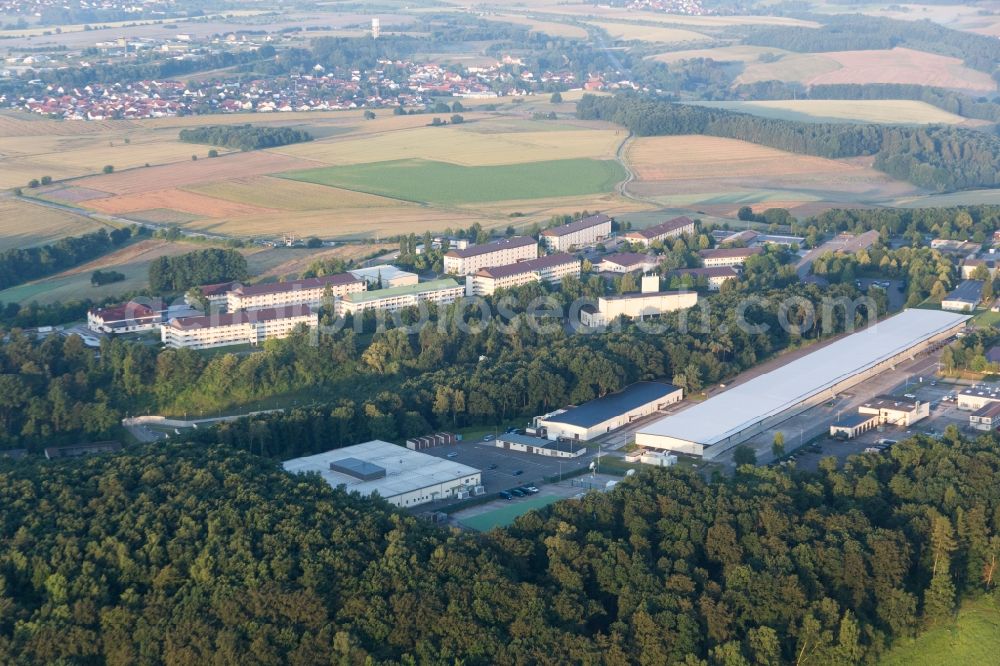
974, 638
506, 515
450, 184
891, 111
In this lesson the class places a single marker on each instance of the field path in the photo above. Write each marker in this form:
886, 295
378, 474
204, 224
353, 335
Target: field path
622, 156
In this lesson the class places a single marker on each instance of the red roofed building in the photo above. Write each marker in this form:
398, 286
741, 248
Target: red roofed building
310, 291
239, 328
661, 232
550, 269
128, 318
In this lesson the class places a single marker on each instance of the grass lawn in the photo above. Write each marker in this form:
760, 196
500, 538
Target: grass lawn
451, 184
973, 638
986, 318
506, 515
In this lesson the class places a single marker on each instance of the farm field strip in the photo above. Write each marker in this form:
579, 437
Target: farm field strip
23, 224
735, 53
648, 33
890, 111
285, 194
466, 145
898, 65
237, 165
178, 200
603, 12
553, 28
449, 184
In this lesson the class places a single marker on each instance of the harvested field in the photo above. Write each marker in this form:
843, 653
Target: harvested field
736, 53
891, 111
237, 165
292, 262
269, 192
448, 184
348, 223
647, 33
70, 195
603, 12
685, 171
470, 144
23, 224
162, 216
176, 200
898, 65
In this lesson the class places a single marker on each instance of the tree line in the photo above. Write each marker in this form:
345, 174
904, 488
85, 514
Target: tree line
935, 157
244, 137
193, 269
21, 265
199, 554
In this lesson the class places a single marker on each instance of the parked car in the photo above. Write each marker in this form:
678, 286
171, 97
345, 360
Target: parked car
453, 454
487, 438
506, 495
517, 492
492, 466
532, 489
518, 472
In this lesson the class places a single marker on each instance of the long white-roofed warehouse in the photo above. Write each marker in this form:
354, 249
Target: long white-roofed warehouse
734, 416
399, 475
609, 412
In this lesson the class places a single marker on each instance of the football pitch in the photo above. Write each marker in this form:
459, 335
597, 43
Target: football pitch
506, 515
428, 181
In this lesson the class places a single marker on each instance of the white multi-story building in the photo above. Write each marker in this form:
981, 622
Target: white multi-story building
238, 328
628, 262
732, 256
650, 302
128, 318
498, 253
585, 231
715, 277
216, 296
661, 232
310, 291
385, 276
550, 269
396, 298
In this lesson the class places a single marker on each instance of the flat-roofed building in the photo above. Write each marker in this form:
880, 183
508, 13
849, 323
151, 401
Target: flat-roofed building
585, 231
891, 410
80, 450
969, 266
130, 317
539, 446
498, 253
986, 417
628, 262
729, 256
440, 292
977, 397
747, 409
650, 302
550, 269
965, 297
850, 426
385, 276
236, 328
402, 477
609, 412
661, 232
713, 278
312, 292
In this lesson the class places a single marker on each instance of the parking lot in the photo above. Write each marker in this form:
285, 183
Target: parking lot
499, 466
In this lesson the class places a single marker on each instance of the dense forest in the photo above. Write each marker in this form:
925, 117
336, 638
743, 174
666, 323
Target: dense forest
193, 269
858, 32
18, 266
949, 100
934, 157
200, 554
244, 137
